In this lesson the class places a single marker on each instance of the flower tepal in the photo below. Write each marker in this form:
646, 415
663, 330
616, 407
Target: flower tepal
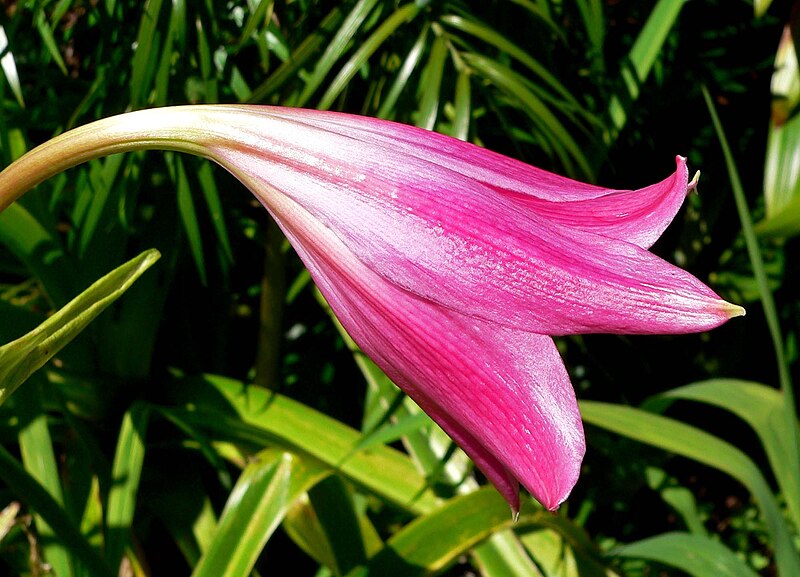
450, 265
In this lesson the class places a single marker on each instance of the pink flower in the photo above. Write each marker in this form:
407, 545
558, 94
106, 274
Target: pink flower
451, 266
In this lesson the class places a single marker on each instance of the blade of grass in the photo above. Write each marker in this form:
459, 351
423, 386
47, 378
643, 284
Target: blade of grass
46, 34
432, 542
696, 444
261, 14
697, 555
229, 409
349, 536
208, 186
336, 48
410, 63
145, 56
367, 48
517, 87
761, 407
255, 508
38, 458
40, 251
767, 301
9, 68
641, 57
502, 555
431, 84
125, 475
484, 32
463, 106
188, 213
303, 53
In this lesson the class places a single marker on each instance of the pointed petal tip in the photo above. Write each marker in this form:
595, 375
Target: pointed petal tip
733, 310
692, 186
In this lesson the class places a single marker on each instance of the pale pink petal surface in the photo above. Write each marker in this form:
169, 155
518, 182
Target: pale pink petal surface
452, 240
502, 394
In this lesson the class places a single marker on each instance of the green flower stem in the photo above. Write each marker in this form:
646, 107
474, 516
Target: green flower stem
164, 129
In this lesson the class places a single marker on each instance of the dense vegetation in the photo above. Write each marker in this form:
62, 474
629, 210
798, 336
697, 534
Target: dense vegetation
216, 421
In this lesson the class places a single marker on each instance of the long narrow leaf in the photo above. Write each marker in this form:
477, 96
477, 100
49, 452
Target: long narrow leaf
255, 508
762, 408
432, 542
245, 413
697, 555
688, 441
20, 358
24, 485
38, 457
125, 476
336, 47
431, 85
365, 50
642, 56
789, 413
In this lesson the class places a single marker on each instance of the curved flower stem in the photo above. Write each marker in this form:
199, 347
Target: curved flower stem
140, 130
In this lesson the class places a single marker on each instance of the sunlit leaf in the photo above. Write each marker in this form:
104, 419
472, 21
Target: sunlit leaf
697, 555
264, 492
696, 444
20, 358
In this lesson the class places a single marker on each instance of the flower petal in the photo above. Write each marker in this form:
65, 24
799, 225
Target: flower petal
502, 394
457, 242
635, 216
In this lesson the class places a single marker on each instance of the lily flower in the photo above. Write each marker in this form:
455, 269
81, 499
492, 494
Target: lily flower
450, 266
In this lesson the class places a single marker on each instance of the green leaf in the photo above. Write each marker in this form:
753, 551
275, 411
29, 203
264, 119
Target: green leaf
20, 358
641, 57
40, 251
431, 84
789, 413
229, 409
500, 41
502, 555
434, 541
762, 408
305, 51
784, 223
365, 50
145, 56
696, 444
331, 528
760, 7
410, 63
188, 214
125, 476
9, 68
261, 14
37, 497
696, 555
38, 457
462, 106
336, 48
781, 170
46, 34
255, 508
521, 90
